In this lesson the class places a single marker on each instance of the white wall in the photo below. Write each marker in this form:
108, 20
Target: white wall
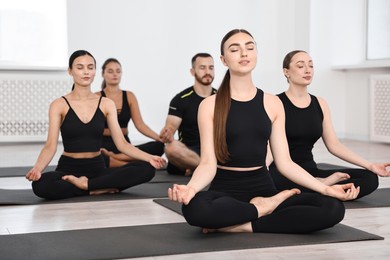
155, 40
337, 44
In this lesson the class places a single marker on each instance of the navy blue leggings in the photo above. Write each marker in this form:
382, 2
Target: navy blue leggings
226, 203
51, 186
366, 180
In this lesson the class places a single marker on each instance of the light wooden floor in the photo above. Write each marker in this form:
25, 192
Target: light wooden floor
67, 216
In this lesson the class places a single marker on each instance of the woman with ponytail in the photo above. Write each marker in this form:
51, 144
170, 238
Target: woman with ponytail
308, 119
127, 109
235, 127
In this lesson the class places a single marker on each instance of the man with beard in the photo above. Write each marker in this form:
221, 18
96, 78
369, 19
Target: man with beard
184, 154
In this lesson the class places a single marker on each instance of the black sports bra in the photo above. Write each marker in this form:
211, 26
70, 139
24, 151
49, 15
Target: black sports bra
124, 115
78, 136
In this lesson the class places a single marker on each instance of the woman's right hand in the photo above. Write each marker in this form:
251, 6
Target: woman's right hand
181, 193
157, 162
166, 135
343, 192
33, 175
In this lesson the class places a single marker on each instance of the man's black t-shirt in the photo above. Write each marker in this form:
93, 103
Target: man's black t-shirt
185, 105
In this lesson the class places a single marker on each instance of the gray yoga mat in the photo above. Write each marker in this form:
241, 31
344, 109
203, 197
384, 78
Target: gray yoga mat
143, 191
161, 175
157, 240
20, 171
377, 199
172, 205
328, 166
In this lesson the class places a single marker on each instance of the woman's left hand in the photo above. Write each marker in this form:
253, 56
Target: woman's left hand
343, 192
380, 169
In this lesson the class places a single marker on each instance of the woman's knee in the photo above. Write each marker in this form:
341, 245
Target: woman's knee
148, 171
368, 183
197, 212
334, 211
41, 190
372, 180
38, 190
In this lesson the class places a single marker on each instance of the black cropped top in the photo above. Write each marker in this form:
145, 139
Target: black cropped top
303, 128
124, 115
248, 129
78, 137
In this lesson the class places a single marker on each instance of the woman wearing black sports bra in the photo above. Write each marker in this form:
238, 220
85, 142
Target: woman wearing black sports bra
307, 120
80, 116
127, 109
235, 126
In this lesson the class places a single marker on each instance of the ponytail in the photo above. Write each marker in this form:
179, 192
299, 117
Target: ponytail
104, 84
221, 109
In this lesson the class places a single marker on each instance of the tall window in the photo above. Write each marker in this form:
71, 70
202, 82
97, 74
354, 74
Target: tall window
33, 34
378, 29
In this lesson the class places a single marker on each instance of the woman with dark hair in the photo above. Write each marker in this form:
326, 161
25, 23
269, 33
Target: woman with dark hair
307, 120
127, 109
80, 117
235, 126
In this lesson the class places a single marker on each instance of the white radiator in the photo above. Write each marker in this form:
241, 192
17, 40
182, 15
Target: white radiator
25, 105
380, 108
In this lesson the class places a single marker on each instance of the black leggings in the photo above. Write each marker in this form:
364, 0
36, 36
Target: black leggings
226, 204
51, 186
366, 180
153, 147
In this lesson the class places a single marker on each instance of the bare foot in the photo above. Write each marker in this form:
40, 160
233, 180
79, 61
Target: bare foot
104, 191
188, 172
246, 227
80, 182
334, 178
266, 205
106, 152
208, 230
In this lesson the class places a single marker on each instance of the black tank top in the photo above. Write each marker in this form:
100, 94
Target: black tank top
80, 137
124, 115
248, 129
303, 128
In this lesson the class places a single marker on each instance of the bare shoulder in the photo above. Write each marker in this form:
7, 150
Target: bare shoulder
323, 104
130, 95
271, 100
58, 103
270, 96
273, 106
107, 103
58, 106
206, 107
322, 101
208, 102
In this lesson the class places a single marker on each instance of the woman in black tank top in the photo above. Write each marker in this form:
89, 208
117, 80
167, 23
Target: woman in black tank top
241, 196
80, 116
307, 120
127, 109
